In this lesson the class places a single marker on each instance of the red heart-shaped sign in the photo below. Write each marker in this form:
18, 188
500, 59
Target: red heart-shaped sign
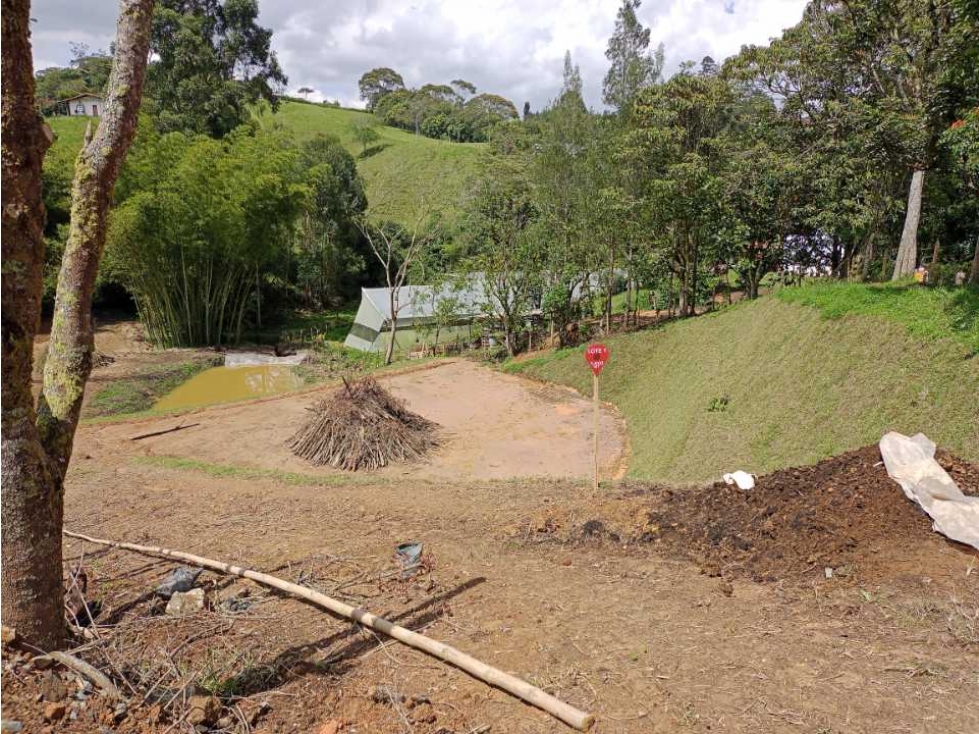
596, 355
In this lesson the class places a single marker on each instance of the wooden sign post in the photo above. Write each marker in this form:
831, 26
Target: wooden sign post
596, 355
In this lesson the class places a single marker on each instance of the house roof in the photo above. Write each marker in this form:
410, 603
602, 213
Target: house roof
79, 96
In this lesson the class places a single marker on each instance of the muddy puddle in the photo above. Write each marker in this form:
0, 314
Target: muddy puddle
226, 384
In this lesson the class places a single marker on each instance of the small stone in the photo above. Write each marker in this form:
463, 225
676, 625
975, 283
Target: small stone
727, 588
53, 689
185, 602
226, 722
329, 727
9, 725
54, 711
828, 572
7, 635
203, 710
120, 712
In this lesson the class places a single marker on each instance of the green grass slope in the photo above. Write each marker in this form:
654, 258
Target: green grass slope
799, 387
402, 171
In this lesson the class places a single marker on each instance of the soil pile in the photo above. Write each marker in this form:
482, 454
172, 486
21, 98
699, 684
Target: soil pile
844, 514
362, 426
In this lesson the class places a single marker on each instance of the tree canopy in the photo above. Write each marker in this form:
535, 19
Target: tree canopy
212, 61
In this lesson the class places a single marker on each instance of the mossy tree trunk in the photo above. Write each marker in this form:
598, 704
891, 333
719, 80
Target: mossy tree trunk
31, 515
37, 444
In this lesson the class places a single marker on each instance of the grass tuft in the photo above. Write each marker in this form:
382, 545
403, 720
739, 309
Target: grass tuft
178, 463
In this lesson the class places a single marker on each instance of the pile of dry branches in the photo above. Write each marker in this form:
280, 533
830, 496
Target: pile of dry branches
362, 426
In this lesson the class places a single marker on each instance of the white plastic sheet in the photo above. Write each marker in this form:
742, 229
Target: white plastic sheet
911, 463
243, 359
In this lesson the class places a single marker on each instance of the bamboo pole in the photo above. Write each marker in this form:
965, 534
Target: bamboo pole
571, 716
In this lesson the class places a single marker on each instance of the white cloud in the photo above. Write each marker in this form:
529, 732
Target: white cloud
511, 47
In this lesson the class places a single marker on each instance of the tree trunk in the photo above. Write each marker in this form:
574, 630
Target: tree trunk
258, 299
37, 445
907, 253
974, 271
31, 590
389, 354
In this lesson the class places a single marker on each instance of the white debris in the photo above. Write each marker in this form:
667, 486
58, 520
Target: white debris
743, 479
911, 463
246, 359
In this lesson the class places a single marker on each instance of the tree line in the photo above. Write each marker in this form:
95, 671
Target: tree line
446, 111
848, 147
220, 215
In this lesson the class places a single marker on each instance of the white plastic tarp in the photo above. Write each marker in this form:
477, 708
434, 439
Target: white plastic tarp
911, 463
245, 359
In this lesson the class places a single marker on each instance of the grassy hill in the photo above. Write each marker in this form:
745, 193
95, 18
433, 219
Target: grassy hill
779, 382
401, 170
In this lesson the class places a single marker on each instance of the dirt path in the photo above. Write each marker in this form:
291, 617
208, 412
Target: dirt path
647, 642
493, 426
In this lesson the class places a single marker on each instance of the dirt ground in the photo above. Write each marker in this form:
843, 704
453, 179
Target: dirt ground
649, 636
492, 426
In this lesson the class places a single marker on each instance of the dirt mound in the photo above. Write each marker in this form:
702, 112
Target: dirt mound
362, 426
843, 514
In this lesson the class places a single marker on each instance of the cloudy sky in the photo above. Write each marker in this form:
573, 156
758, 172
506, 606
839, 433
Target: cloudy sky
510, 47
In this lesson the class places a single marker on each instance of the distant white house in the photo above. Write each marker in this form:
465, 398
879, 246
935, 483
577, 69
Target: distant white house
81, 105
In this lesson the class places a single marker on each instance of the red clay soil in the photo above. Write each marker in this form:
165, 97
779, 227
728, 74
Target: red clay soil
843, 514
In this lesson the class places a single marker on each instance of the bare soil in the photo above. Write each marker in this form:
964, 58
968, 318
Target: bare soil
492, 426
609, 620
842, 518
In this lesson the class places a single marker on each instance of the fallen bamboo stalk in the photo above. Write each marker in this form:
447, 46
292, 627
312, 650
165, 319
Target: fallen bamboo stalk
181, 427
511, 684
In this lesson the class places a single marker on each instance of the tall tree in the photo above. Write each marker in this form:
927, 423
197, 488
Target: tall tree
898, 64
571, 84
37, 443
213, 62
377, 83
675, 151
464, 88
633, 67
560, 171
497, 223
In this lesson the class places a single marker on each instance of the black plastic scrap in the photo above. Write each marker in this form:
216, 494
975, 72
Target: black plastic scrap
181, 579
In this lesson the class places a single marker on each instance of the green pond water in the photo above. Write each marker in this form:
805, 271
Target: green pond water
226, 384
